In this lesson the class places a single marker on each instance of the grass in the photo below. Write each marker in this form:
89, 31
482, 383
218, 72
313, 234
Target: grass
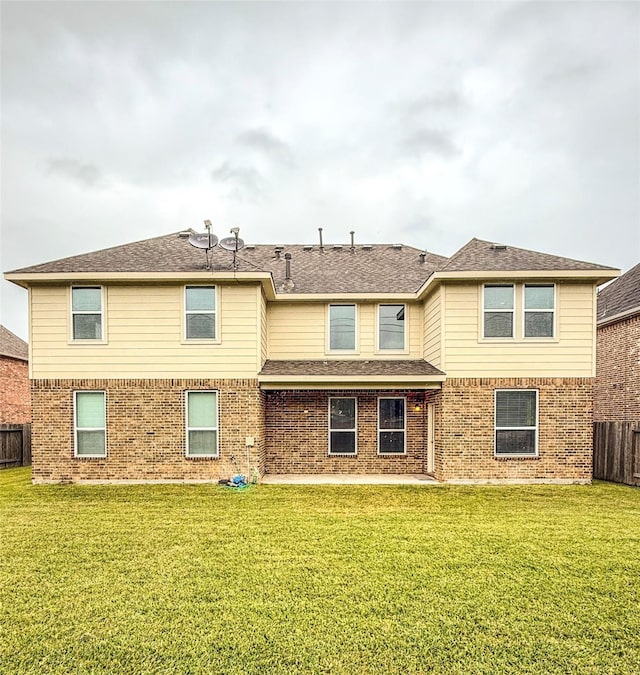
321, 579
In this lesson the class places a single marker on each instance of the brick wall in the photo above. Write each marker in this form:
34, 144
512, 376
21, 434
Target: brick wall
465, 431
297, 433
617, 392
145, 430
15, 396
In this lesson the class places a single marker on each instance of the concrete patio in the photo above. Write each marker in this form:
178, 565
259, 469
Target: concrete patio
347, 479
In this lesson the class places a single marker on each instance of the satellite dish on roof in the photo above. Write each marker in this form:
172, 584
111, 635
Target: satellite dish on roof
203, 240
231, 243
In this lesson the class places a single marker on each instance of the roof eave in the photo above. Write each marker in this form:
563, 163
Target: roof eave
621, 316
597, 277
26, 279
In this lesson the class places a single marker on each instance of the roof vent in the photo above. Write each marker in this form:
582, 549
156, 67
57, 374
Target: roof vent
307, 247
249, 247
423, 256
278, 250
498, 247
367, 247
184, 234
337, 247
396, 246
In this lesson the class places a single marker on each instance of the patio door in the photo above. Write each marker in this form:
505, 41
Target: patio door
431, 444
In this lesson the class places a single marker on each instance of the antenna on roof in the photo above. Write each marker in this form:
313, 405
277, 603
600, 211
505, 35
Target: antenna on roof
205, 240
233, 243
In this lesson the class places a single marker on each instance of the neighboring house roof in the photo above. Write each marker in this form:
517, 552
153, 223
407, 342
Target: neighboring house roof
480, 255
620, 298
11, 345
350, 368
377, 268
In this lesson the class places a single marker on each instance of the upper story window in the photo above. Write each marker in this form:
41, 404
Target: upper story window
342, 327
391, 326
498, 311
90, 428
86, 313
539, 310
200, 313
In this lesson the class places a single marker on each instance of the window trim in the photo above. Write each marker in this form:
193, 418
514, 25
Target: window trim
187, 428
392, 350
548, 311
216, 315
536, 428
76, 428
354, 430
356, 336
504, 311
91, 341
404, 428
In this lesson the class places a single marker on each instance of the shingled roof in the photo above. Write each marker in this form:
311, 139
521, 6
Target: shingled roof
11, 345
349, 368
478, 255
621, 297
332, 269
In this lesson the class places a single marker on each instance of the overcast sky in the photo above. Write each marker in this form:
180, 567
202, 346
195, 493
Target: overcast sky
421, 123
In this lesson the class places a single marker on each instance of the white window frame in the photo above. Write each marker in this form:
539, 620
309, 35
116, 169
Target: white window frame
391, 350
215, 312
404, 427
354, 430
73, 312
355, 328
535, 428
76, 428
548, 311
187, 428
512, 311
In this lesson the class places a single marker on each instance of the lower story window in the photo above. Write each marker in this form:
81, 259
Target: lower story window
392, 426
342, 426
90, 429
202, 423
516, 422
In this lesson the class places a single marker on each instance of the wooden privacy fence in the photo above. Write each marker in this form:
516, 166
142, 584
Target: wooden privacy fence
15, 445
616, 452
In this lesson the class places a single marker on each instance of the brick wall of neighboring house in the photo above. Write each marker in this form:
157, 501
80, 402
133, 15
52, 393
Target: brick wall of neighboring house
145, 430
297, 433
15, 396
465, 431
617, 392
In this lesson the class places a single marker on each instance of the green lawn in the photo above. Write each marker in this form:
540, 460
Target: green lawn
322, 579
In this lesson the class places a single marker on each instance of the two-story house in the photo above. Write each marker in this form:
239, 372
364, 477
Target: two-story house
157, 361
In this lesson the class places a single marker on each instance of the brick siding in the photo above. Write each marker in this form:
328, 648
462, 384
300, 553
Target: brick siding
617, 392
145, 430
15, 396
297, 432
465, 431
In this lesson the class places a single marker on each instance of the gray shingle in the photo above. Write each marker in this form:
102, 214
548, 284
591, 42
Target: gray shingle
11, 345
378, 268
620, 296
350, 368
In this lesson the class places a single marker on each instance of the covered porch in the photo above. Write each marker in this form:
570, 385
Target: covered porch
349, 422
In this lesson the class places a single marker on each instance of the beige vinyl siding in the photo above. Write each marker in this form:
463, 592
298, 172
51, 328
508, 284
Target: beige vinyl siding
144, 335
569, 354
264, 335
432, 328
299, 331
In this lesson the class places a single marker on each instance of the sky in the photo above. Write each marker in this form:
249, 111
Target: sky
422, 123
